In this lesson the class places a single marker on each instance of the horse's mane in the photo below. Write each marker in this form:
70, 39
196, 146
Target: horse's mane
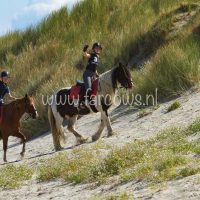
108, 82
13, 103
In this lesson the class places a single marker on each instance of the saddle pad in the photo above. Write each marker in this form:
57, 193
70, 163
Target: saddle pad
74, 92
95, 87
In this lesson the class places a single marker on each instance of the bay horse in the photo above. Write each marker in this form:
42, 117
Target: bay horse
60, 109
10, 123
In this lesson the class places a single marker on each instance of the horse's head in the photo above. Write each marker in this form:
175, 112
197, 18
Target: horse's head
30, 106
123, 76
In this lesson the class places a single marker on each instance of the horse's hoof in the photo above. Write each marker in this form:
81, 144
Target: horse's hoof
95, 138
22, 154
111, 134
5, 160
81, 140
59, 148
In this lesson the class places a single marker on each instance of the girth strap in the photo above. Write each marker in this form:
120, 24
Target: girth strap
94, 109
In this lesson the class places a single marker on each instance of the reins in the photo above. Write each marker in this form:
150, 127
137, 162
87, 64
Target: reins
27, 118
29, 114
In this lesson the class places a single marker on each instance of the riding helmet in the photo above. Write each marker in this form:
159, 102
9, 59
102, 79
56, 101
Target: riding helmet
96, 44
4, 74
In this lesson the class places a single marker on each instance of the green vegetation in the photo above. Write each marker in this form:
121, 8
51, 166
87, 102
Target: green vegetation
165, 157
72, 168
48, 56
162, 158
174, 106
188, 171
118, 196
144, 112
12, 176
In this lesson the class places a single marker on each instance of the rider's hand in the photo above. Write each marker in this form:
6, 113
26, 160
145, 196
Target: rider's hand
97, 74
85, 48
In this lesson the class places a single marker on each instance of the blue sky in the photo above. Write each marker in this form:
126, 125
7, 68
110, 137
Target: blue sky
19, 14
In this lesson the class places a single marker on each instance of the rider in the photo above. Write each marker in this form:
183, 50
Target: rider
4, 89
91, 68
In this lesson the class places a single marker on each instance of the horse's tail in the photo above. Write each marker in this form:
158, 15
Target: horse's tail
57, 132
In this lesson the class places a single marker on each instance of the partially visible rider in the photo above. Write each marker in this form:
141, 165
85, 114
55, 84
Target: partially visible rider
4, 89
92, 65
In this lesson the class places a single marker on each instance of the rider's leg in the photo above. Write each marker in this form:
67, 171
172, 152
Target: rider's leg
87, 78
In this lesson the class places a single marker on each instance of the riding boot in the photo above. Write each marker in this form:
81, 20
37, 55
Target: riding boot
76, 103
88, 97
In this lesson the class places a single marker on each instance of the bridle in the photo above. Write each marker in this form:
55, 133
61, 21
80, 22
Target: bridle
30, 115
127, 77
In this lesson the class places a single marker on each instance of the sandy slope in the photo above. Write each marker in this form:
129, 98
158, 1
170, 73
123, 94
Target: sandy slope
127, 126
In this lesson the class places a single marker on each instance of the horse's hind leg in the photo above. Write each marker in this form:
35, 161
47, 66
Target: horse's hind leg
71, 128
23, 138
5, 144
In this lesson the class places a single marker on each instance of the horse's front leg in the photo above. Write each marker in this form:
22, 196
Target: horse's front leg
71, 127
106, 120
23, 139
97, 135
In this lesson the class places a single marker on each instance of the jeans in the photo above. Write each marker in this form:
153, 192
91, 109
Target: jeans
87, 78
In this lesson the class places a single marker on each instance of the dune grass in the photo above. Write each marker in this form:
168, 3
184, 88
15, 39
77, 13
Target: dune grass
115, 196
175, 66
12, 177
48, 56
174, 106
162, 158
144, 112
167, 156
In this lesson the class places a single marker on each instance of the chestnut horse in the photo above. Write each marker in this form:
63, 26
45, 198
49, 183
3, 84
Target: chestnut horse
61, 109
10, 123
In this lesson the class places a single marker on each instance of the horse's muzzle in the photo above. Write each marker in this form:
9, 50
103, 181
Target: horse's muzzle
130, 85
35, 115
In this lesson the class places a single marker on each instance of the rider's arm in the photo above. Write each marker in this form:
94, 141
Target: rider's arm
85, 54
9, 97
96, 73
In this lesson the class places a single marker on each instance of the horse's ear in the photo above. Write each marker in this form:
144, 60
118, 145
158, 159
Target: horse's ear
26, 96
120, 64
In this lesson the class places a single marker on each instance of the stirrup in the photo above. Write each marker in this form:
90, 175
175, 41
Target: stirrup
76, 102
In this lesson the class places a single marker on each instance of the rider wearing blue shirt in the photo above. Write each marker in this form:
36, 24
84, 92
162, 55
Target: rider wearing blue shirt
93, 62
4, 89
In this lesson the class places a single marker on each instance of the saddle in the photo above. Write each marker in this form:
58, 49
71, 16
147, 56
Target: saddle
78, 91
